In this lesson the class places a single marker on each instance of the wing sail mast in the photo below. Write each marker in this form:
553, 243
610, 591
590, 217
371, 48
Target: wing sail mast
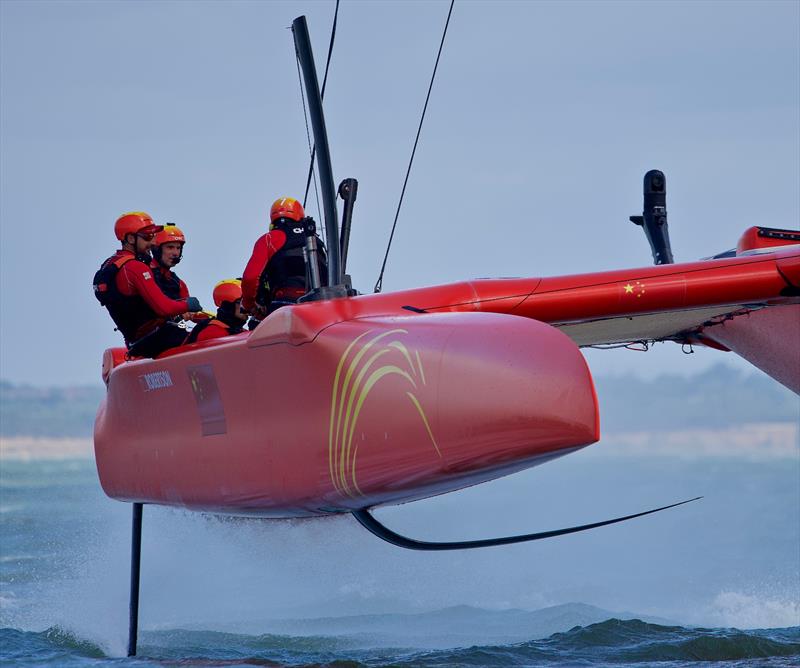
302, 43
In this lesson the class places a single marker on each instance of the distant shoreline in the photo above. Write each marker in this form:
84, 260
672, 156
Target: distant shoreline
755, 441
28, 448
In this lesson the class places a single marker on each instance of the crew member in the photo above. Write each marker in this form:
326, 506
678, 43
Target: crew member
275, 275
230, 318
167, 252
124, 284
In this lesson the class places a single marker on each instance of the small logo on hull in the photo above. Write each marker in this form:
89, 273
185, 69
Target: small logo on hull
156, 380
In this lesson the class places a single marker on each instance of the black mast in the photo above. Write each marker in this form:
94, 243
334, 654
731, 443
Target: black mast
302, 45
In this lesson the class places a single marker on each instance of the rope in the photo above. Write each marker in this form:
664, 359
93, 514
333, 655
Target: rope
322, 97
379, 282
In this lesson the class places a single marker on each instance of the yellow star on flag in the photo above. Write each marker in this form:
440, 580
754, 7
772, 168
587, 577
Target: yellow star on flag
629, 289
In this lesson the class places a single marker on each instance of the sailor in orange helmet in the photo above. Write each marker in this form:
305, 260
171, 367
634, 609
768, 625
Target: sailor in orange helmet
275, 275
167, 252
124, 284
230, 318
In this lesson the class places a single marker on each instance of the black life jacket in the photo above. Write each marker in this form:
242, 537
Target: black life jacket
168, 281
200, 326
286, 277
129, 313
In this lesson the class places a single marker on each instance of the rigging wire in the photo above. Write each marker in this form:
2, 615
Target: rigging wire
379, 282
322, 97
640, 346
308, 138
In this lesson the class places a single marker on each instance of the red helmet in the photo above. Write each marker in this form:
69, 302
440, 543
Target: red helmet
135, 222
170, 234
286, 207
229, 290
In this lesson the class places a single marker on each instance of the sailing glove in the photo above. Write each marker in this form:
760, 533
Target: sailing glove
193, 304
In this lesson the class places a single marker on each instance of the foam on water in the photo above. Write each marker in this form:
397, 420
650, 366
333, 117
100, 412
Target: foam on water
10, 508
743, 611
240, 576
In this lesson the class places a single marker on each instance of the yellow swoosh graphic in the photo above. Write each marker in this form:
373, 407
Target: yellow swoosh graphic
350, 370
331, 446
374, 378
351, 391
346, 442
421, 370
416, 403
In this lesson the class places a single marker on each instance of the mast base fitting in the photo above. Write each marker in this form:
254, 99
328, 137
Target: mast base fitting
325, 292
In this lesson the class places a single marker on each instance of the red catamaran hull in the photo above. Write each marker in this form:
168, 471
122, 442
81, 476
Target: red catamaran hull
306, 418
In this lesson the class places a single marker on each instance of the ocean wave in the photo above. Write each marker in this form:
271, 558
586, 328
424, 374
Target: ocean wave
637, 641
54, 646
612, 642
615, 642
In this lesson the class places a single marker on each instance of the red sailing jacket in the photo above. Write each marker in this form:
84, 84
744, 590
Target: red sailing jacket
135, 279
264, 249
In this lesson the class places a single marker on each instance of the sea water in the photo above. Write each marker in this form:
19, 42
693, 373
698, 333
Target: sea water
717, 580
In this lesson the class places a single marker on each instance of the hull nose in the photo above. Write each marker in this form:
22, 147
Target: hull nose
525, 388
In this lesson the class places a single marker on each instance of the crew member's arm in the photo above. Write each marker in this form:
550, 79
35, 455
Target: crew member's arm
136, 278
194, 317
262, 252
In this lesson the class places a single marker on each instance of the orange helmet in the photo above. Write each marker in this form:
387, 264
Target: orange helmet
135, 222
170, 234
286, 207
229, 290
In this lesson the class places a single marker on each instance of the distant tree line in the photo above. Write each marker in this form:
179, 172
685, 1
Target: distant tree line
52, 411
719, 397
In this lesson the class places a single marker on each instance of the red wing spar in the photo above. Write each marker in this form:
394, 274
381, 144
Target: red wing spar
390, 398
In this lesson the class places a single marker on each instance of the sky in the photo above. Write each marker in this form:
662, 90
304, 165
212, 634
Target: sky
543, 119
